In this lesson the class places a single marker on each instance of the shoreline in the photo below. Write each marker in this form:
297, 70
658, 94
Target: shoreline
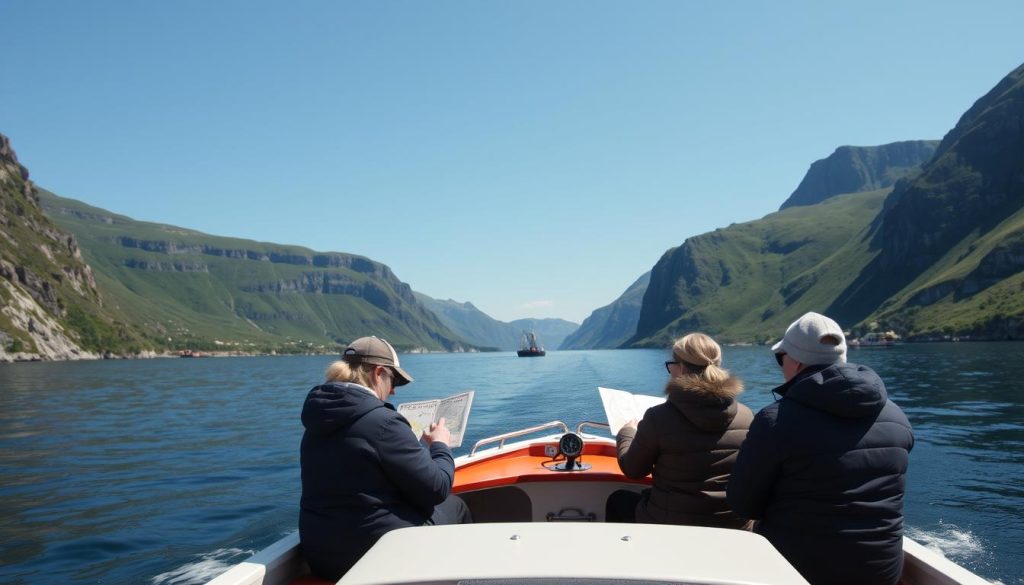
148, 355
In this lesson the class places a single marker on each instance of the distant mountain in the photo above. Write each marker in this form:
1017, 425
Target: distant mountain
613, 324
195, 290
50, 307
483, 331
550, 332
472, 324
938, 254
853, 169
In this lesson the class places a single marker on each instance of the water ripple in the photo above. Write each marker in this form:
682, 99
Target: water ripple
132, 471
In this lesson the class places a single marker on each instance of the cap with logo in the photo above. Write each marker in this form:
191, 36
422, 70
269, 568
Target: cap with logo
806, 341
376, 351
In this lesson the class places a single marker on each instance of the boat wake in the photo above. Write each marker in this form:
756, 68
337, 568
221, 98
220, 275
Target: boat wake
206, 568
956, 544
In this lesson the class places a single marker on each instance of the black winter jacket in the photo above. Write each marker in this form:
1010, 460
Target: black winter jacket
364, 473
824, 471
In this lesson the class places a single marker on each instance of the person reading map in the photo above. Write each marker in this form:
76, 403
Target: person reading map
364, 472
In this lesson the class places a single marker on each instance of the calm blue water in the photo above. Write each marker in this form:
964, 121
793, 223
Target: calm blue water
167, 471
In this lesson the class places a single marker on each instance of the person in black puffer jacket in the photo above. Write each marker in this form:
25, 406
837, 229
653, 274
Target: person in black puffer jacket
364, 473
823, 469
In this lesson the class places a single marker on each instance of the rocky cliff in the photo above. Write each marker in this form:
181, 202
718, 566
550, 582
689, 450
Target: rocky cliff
51, 308
852, 169
939, 254
748, 281
949, 241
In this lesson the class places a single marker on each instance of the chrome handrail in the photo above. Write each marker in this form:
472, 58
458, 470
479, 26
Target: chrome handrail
590, 423
500, 439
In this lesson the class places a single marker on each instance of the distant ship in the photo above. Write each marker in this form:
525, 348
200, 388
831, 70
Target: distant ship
529, 346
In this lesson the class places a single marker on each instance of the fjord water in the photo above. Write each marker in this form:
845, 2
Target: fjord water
167, 471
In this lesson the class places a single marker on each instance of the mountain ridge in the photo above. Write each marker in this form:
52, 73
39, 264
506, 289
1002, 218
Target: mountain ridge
854, 169
210, 292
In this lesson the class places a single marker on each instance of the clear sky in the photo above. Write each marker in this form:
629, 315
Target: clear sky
534, 158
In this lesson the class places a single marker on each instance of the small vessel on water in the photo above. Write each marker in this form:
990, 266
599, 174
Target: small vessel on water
873, 339
538, 506
529, 347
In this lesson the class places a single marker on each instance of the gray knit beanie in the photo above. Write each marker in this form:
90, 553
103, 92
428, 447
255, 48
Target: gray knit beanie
804, 341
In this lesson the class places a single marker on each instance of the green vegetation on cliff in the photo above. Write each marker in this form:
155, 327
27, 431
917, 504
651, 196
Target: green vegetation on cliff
942, 255
51, 306
194, 290
748, 281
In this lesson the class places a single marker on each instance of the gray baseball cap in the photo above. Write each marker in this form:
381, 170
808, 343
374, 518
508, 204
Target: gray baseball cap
376, 351
805, 341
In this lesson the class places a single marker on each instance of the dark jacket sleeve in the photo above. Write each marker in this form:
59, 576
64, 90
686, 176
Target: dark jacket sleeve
756, 470
637, 449
424, 477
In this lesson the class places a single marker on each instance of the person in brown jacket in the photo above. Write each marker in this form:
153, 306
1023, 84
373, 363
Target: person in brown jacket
689, 443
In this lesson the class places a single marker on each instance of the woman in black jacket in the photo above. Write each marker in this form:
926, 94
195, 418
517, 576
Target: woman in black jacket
364, 473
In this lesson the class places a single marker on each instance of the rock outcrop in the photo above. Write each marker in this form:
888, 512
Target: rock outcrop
49, 296
853, 169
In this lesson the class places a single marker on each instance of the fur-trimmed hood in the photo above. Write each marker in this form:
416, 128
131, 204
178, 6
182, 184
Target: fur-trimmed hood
710, 406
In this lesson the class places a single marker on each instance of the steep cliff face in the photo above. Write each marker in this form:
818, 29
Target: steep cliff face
954, 231
975, 181
748, 281
941, 255
611, 325
852, 169
207, 292
50, 304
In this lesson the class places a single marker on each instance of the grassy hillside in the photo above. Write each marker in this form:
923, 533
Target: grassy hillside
200, 291
748, 281
972, 291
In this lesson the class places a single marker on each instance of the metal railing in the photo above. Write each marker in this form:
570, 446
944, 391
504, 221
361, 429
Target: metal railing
590, 423
500, 439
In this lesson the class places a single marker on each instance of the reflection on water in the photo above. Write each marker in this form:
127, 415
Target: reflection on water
167, 471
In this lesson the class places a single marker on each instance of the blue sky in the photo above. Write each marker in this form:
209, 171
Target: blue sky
534, 158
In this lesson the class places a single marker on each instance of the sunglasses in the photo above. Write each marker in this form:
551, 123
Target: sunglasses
778, 358
668, 365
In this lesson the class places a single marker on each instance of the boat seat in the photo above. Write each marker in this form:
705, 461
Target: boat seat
502, 504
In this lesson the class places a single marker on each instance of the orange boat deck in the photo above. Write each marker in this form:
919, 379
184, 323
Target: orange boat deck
531, 464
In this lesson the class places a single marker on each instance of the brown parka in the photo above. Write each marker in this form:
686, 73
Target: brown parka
690, 444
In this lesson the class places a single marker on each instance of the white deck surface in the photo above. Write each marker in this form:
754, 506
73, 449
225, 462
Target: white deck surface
645, 552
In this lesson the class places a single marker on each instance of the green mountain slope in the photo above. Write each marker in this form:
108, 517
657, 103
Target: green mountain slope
613, 324
748, 281
50, 307
951, 242
941, 255
200, 291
